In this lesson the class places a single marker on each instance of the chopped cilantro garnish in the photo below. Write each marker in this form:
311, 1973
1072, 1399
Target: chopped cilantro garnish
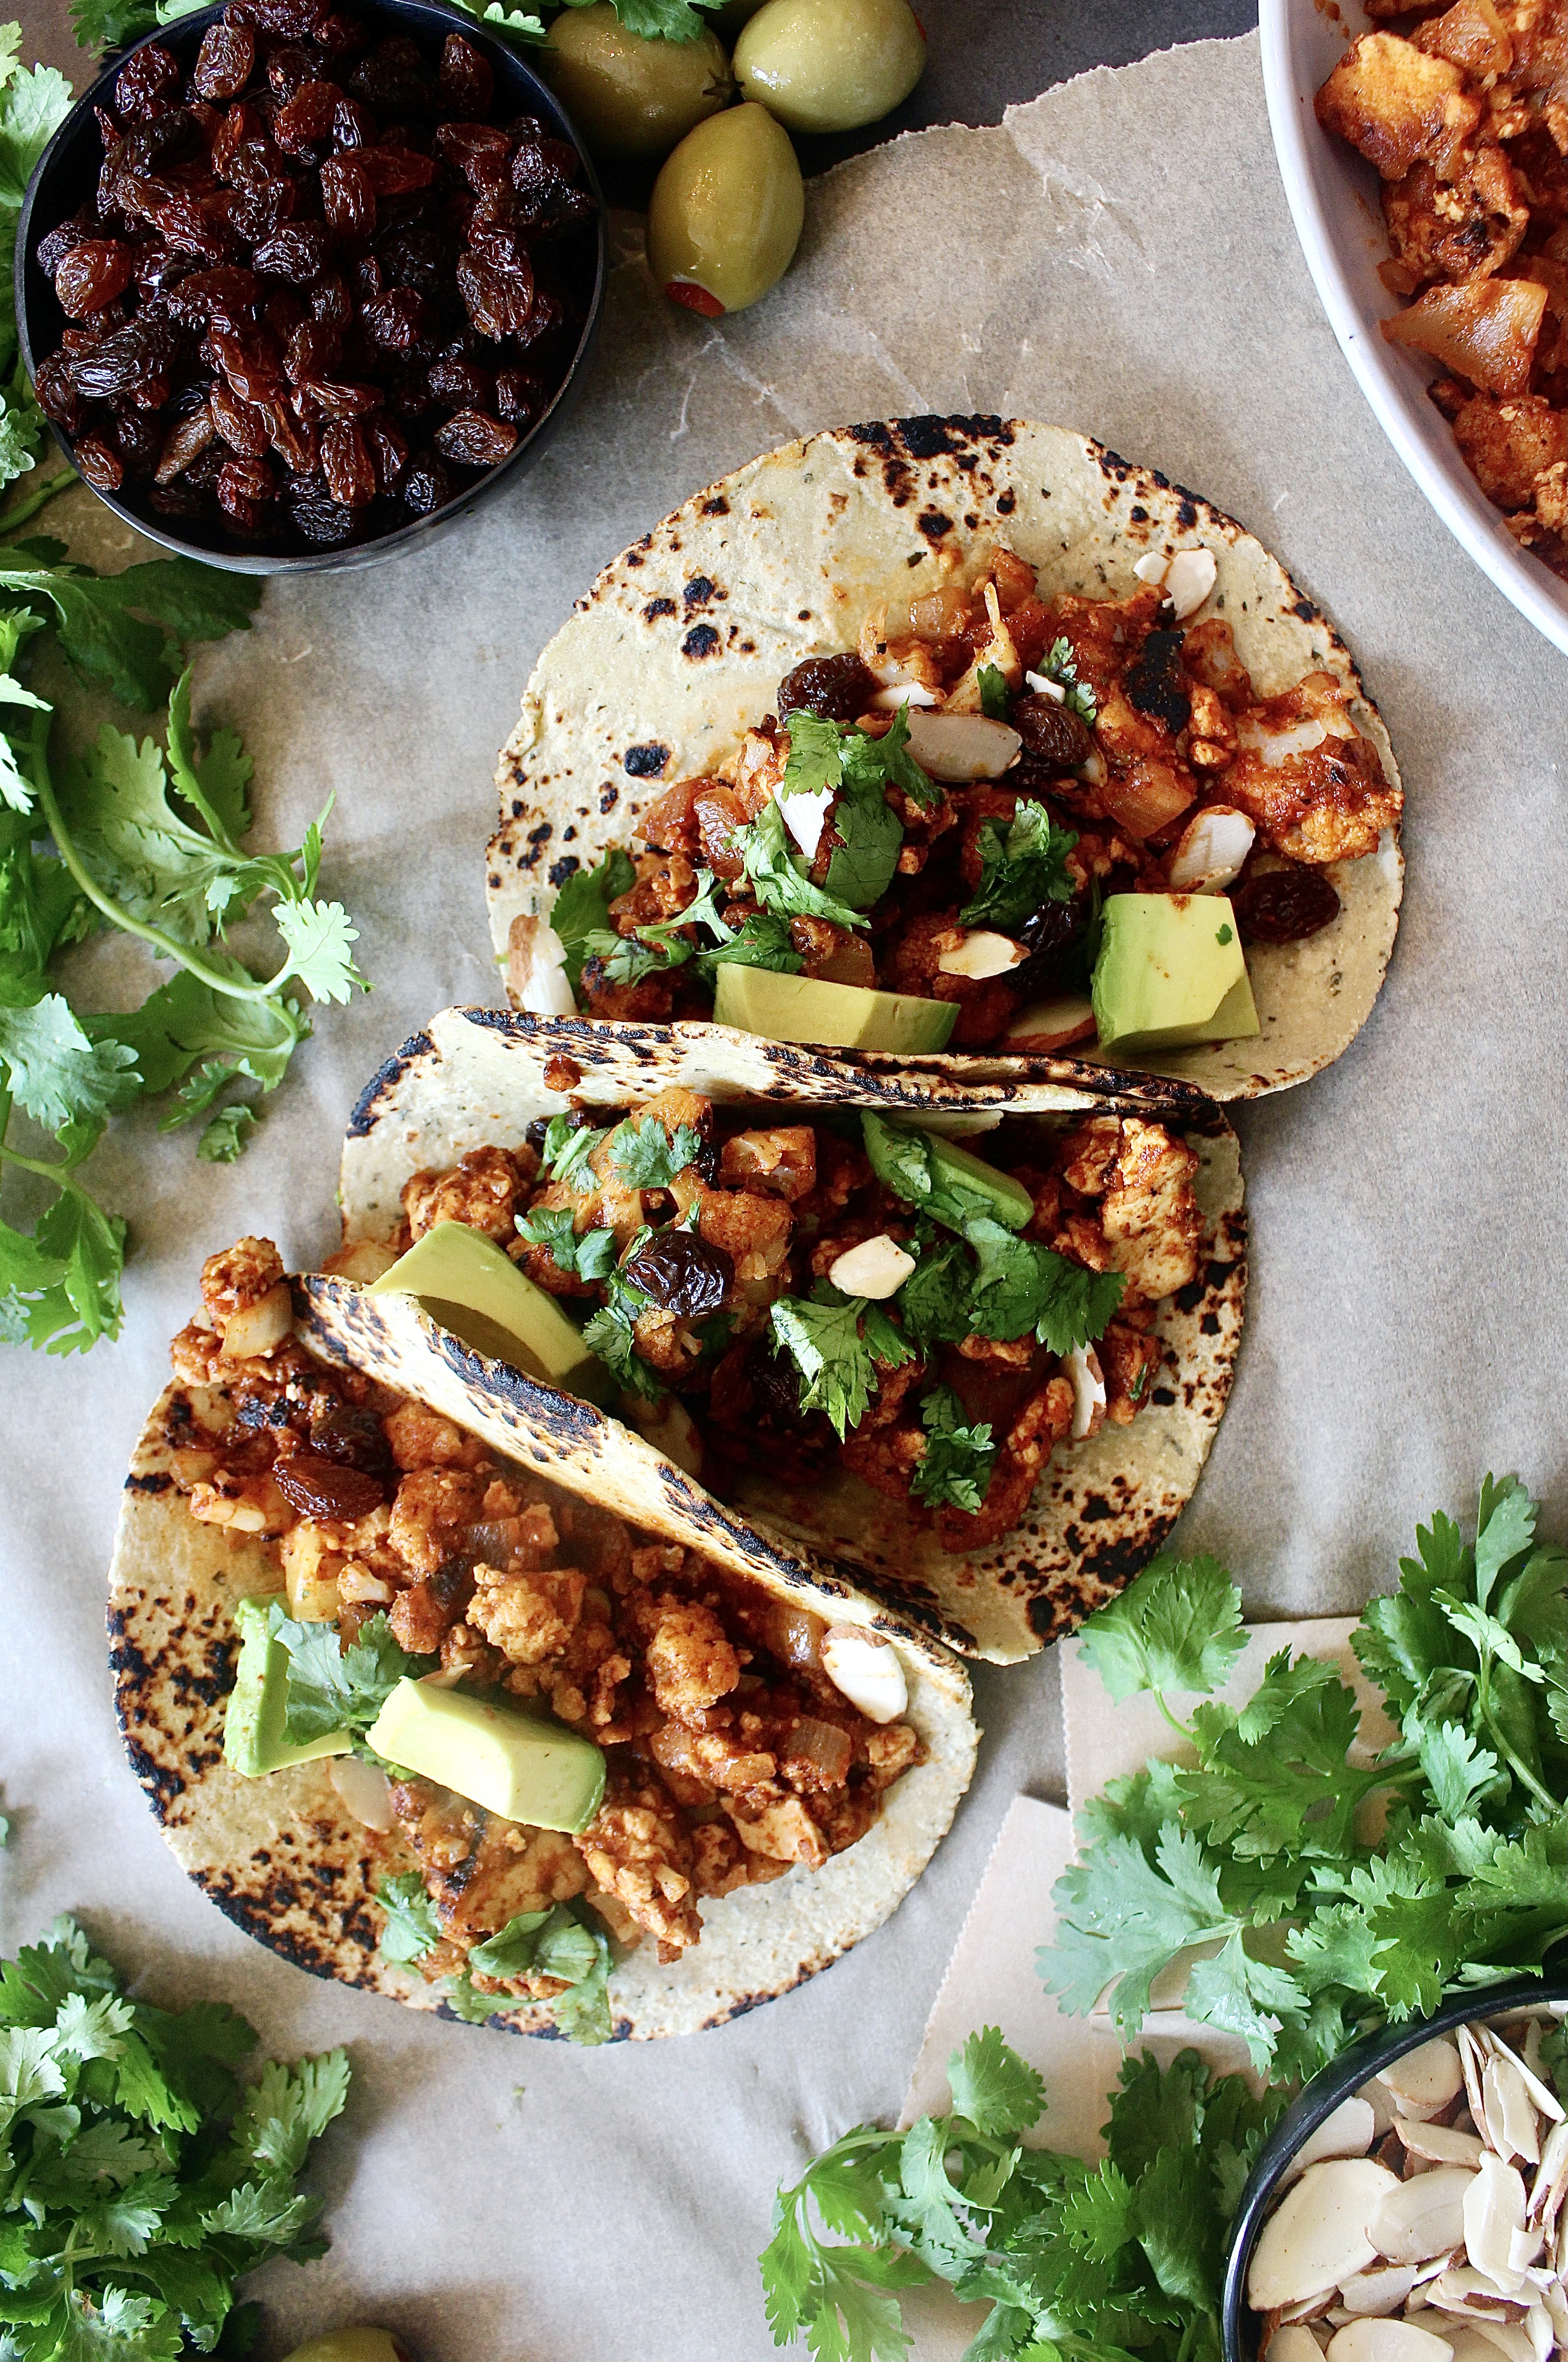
1022, 867
645, 1156
762, 941
332, 1688
1224, 936
560, 1942
934, 1302
996, 698
582, 908
779, 876
956, 1468
835, 1342
610, 1332
1023, 1285
569, 1145
589, 1256
1059, 665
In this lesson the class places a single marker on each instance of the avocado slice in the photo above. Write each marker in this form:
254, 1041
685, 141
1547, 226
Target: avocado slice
253, 1740
1170, 972
1011, 1204
837, 1016
465, 1282
515, 1764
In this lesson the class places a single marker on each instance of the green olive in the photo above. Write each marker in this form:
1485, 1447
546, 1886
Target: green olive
830, 65
351, 2345
726, 213
631, 97
733, 16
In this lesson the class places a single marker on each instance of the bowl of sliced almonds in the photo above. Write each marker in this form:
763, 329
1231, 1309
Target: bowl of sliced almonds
1409, 2207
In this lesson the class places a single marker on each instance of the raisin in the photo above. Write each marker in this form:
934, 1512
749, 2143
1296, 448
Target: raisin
347, 198
682, 1273
226, 299
159, 270
180, 501
287, 71
775, 1388
53, 249
282, 309
353, 125
345, 463
541, 166
339, 398
469, 439
148, 81
240, 423
1052, 732
137, 436
519, 396
294, 441
201, 225
542, 322
303, 127
498, 233
331, 304
395, 172
479, 153
187, 440
317, 515
224, 61
250, 364
91, 275
296, 20
299, 252
101, 468
427, 486
413, 254
388, 446
836, 688
1283, 906
393, 79
341, 37
397, 321
136, 360
244, 489
499, 302
312, 350
339, 1431
465, 83
242, 127
459, 383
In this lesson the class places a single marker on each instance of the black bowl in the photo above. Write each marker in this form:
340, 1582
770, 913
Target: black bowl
1319, 2100
66, 176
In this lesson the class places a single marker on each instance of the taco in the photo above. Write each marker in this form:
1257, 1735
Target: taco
957, 736
424, 1722
773, 1297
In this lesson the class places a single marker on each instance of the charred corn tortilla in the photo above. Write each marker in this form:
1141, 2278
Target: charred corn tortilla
1104, 1505
679, 645
281, 1856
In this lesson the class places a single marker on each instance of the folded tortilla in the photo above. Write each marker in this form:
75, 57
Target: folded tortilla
283, 1858
1103, 1505
679, 645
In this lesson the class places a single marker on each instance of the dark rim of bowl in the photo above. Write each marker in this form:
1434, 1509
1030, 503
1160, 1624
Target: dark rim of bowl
185, 34
1342, 2078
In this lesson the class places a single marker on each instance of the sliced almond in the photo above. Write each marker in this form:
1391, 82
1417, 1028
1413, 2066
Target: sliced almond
1378, 2292
1421, 2218
1318, 2236
982, 954
1210, 851
1082, 1366
1441, 2142
1192, 576
962, 746
1551, 2179
1465, 2290
1541, 2095
1292, 2343
1555, 2299
1311, 2308
1470, 2343
867, 1670
1509, 2338
877, 1268
1511, 2125
1494, 2208
1426, 2079
1525, 2246
1380, 2100
1387, 2341
363, 1792
1471, 2062
1347, 2132
1539, 2330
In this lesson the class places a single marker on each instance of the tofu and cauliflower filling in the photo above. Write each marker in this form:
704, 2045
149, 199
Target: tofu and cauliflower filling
408, 1552
944, 812
796, 1295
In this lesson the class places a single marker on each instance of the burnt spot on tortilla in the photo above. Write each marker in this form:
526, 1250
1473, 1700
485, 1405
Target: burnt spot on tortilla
1161, 1396
1304, 611
874, 432
156, 1480
645, 762
699, 591
700, 642
934, 438
1153, 681
542, 835
1006, 502
933, 524
567, 866
1138, 514
384, 1082
657, 607
1186, 516
609, 799
717, 506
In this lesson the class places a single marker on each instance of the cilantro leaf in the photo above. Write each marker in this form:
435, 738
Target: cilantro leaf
569, 1146
996, 698
582, 908
647, 1156
1059, 665
1121, 1918
518, 24
958, 1459
993, 2089
331, 1688
1023, 1285
836, 1343
318, 935
1022, 869
934, 1302
591, 1256
54, 1071
761, 941
412, 1929
779, 878
611, 1333
659, 20
1178, 1627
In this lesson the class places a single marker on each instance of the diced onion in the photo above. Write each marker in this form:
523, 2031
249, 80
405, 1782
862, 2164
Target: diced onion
1210, 851
260, 1328
822, 1744
362, 1790
795, 1636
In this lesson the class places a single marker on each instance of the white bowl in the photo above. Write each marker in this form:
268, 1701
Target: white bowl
1333, 195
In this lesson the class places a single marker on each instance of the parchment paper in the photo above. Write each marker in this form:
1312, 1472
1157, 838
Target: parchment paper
1116, 256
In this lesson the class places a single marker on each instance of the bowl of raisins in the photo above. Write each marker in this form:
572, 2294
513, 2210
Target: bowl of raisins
298, 284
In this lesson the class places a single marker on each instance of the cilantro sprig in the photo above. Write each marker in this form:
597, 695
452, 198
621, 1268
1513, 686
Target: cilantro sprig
854, 769
331, 1688
1260, 1849
1075, 2261
956, 1468
564, 1941
147, 840
837, 1343
142, 2178
33, 105
1022, 867
1058, 664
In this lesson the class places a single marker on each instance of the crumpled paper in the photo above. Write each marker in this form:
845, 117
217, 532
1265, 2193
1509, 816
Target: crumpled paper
1116, 256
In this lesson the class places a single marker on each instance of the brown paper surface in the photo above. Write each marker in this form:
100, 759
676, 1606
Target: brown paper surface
1116, 256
